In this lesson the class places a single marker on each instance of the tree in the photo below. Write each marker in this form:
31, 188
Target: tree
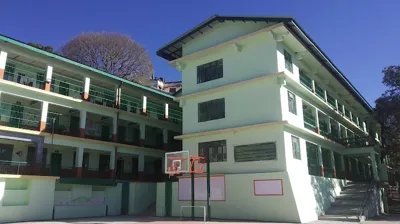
387, 110
42, 47
113, 53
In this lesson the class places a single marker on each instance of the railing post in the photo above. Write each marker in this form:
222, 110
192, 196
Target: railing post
43, 117
142, 128
166, 111
320, 161
118, 92
336, 105
82, 123
3, 61
144, 106
49, 75
313, 85
86, 89
317, 121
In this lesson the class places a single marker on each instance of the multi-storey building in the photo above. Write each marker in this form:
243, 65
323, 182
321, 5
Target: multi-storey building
62, 118
277, 117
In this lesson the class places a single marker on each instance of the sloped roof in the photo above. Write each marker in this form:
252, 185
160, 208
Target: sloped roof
173, 50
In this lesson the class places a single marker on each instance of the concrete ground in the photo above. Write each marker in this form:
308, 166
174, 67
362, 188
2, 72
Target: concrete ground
388, 219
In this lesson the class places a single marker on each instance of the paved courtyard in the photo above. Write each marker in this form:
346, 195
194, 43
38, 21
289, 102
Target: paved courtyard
389, 219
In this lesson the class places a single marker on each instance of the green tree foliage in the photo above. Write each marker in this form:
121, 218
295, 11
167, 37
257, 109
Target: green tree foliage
387, 111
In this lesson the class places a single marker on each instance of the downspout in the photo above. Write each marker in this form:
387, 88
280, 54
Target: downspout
116, 135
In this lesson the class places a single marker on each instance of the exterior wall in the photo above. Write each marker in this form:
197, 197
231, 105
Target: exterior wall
257, 58
252, 103
220, 34
142, 196
251, 136
26, 199
295, 119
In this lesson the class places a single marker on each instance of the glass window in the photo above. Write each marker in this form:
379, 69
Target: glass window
292, 102
255, 152
211, 110
296, 147
216, 150
210, 71
288, 61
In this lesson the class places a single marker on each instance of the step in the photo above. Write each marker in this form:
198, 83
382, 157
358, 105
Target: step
350, 196
347, 203
339, 218
343, 211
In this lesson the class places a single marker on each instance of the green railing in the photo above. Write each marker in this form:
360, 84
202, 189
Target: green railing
101, 96
323, 128
331, 101
130, 103
358, 141
66, 86
347, 113
340, 109
312, 159
25, 74
19, 116
305, 81
319, 92
63, 124
154, 108
309, 120
174, 115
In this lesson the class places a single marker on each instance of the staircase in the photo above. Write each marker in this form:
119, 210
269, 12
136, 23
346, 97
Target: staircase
347, 205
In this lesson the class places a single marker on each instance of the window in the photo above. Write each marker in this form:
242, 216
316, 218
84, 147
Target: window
255, 152
210, 71
296, 147
211, 110
288, 61
312, 159
292, 102
215, 149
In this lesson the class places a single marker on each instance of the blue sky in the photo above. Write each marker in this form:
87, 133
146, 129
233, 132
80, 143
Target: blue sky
360, 37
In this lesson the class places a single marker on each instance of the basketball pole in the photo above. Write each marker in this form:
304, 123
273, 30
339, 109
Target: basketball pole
192, 185
208, 187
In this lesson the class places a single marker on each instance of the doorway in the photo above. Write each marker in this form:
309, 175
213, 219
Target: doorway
55, 164
120, 168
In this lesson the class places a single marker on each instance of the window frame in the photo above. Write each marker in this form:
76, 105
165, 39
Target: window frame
203, 115
294, 103
210, 71
202, 146
288, 61
236, 148
295, 153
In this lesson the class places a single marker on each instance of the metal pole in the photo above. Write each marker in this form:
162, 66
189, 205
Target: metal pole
208, 187
192, 185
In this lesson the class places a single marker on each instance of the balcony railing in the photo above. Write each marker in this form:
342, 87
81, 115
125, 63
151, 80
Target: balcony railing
101, 96
331, 101
15, 167
19, 116
174, 116
66, 86
323, 127
154, 109
354, 142
25, 74
305, 81
130, 103
309, 121
319, 92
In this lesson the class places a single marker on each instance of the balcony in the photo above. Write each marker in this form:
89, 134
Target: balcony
356, 142
305, 81
309, 120
66, 86
17, 115
15, 167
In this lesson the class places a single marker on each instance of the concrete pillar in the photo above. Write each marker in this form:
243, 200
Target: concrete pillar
112, 163
38, 158
142, 128
49, 75
364, 126
329, 126
333, 164
343, 109
374, 166
339, 130
3, 61
114, 129
357, 121
343, 166
43, 116
166, 111
351, 116
82, 123
79, 161
86, 88
48, 157
141, 167
336, 105
165, 139
313, 85
144, 105
321, 163
317, 121
325, 96
357, 167
117, 96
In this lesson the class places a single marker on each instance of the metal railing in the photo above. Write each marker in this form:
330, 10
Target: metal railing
174, 116
305, 81
309, 121
331, 101
66, 86
155, 109
19, 116
366, 202
131, 104
358, 141
14, 167
319, 92
101, 96
25, 74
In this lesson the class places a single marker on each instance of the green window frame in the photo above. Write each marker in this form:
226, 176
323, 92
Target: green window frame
255, 152
216, 150
292, 103
288, 61
296, 147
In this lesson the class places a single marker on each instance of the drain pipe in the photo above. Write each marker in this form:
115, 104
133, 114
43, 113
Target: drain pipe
116, 133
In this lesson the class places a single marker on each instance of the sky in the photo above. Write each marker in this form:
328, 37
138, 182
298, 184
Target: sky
361, 37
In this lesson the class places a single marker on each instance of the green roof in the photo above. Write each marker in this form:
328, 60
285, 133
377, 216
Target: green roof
74, 63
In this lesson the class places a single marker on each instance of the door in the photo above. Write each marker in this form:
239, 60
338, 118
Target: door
105, 133
104, 162
135, 167
120, 168
168, 198
74, 126
121, 134
55, 165
158, 169
30, 157
125, 198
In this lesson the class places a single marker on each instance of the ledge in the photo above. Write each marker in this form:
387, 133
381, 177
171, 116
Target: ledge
12, 176
227, 130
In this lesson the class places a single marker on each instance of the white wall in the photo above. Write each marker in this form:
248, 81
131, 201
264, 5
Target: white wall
251, 136
257, 58
142, 195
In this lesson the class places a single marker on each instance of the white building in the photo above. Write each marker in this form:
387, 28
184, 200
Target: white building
282, 124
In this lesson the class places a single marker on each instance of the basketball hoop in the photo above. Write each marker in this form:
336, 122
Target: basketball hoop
181, 162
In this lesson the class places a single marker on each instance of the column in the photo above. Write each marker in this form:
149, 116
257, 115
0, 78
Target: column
144, 106
313, 85
364, 126
117, 96
48, 157
49, 75
357, 121
166, 111
321, 163
339, 130
82, 123
86, 89
114, 129
343, 110
79, 161
374, 166
3, 60
343, 166
350, 168
43, 116
333, 165
141, 167
38, 157
142, 128
357, 168
329, 128
165, 139
325, 96
316, 121
351, 116
112, 163
336, 105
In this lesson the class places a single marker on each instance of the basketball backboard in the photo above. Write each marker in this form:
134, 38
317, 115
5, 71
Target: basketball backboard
177, 162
